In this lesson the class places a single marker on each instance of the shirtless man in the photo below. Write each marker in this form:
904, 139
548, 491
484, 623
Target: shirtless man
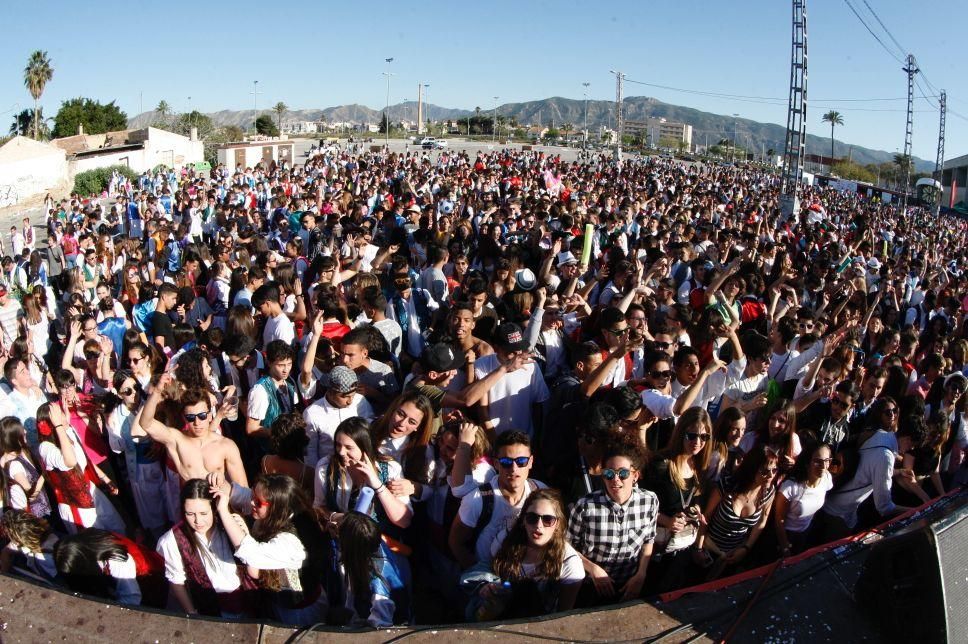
198, 450
460, 324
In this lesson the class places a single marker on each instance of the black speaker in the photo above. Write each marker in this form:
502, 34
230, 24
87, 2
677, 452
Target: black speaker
914, 584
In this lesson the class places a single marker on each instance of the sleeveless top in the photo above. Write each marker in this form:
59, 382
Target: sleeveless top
727, 529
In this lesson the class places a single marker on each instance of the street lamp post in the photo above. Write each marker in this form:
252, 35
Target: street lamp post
386, 115
494, 124
426, 113
584, 143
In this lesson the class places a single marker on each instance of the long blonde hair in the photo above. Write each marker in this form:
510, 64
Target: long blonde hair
694, 419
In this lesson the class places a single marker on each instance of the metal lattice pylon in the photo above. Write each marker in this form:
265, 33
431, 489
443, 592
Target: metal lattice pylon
939, 160
911, 68
796, 132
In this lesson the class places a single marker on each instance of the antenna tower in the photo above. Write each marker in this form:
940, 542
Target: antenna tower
796, 132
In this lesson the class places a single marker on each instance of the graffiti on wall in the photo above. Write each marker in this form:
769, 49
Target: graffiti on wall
8, 196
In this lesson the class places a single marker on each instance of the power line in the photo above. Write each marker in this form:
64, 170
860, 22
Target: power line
871, 31
884, 27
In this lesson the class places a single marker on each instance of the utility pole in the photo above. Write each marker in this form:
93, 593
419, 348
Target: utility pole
939, 160
732, 155
386, 115
419, 108
584, 144
426, 98
619, 121
796, 131
494, 123
255, 105
911, 68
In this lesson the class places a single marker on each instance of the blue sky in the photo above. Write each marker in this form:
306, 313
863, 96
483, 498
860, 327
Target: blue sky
318, 54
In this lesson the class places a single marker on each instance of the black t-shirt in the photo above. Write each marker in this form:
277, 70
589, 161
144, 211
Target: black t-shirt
672, 499
161, 326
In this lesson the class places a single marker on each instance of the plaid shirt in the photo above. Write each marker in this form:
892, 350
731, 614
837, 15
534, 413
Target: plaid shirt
612, 535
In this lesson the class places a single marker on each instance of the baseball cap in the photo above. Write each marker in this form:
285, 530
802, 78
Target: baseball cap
441, 357
509, 336
343, 380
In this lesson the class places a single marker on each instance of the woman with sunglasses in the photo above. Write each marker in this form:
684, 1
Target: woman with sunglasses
535, 571
735, 518
614, 530
801, 496
284, 548
145, 475
677, 479
869, 472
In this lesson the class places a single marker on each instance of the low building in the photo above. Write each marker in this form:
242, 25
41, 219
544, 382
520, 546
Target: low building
954, 177
655, 130
30, 169
140, 149
247, 154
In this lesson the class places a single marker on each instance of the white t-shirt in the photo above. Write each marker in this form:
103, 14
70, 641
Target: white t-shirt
322, 419
572, 570
321, 491
278, 328
804, 501
502, 517
512, 396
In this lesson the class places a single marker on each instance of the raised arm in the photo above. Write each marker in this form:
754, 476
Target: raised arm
157, 430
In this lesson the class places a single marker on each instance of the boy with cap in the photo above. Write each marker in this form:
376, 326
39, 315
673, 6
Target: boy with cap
512, 401
341, 401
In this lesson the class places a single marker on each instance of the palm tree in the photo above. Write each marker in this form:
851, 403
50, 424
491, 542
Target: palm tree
24, 121
280, 108
902, 161
834, 118
163, 108
37, 74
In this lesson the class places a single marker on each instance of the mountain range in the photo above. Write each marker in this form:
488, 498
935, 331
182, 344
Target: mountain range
708, 128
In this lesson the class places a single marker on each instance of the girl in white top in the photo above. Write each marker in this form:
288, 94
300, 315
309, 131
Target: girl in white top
145, 472
208, 544
23, 485
535, 551
282, 551
801, 496
80, 503
31, 545
404, 433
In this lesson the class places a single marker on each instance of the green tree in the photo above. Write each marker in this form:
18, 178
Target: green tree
384, 124
834, 118
854, 171
37, 74
24, 122
668, 142
95, 117
163, 109
233, 133
280, 109
265, 126
201, 122
903, 164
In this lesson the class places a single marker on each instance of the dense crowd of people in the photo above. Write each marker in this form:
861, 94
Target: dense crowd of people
382, 388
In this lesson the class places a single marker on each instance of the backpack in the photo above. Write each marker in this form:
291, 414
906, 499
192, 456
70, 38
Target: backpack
487, 506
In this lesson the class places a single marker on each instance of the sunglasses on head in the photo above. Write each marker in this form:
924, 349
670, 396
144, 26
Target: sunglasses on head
506, 461
622, 473
202, 415
696, 436
547, 520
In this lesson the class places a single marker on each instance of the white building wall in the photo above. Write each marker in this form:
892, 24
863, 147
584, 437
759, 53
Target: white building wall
27, 178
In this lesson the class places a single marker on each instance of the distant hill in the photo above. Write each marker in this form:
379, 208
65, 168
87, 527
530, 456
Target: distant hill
557, 111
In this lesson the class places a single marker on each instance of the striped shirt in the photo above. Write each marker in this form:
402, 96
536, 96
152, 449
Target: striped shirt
727, 529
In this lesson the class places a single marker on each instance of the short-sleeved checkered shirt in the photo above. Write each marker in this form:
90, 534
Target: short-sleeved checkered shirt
612, 535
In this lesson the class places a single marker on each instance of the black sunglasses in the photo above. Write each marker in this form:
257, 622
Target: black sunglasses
695, 436
202, 415
521, 461
547, 520
661, 374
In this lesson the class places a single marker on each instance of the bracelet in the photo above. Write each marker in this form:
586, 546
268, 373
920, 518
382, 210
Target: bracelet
382, 487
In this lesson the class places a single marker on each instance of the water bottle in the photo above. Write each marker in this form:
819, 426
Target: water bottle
493, 606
